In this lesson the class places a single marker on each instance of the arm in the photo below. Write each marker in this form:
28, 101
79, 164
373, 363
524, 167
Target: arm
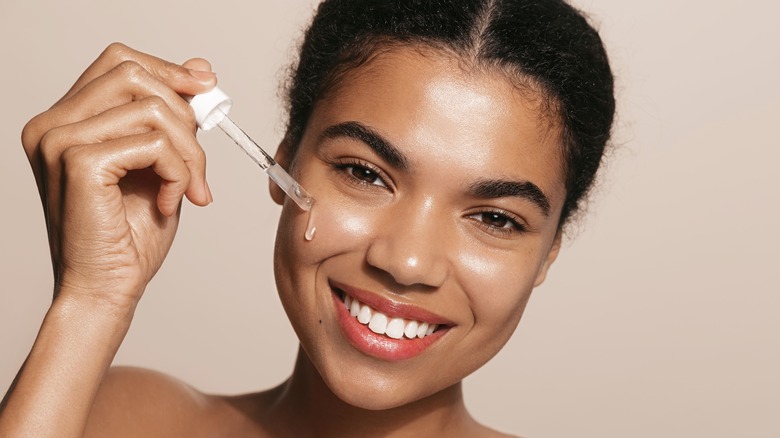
56, 386
112, 159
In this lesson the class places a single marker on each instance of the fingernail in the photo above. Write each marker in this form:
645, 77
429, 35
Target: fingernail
203, 76
208, 192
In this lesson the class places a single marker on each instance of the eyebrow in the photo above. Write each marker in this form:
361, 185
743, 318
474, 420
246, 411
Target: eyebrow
489, 189
502, 188
373, 139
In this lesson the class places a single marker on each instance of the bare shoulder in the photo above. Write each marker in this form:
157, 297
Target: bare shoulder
139, 402
496, 434
484, 431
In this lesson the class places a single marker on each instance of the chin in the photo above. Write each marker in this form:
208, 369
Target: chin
375, 389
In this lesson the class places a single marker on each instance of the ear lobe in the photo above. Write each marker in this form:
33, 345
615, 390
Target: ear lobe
551, 256
282, 157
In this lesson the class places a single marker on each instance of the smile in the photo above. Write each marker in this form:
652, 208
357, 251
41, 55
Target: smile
382, 324
385, 329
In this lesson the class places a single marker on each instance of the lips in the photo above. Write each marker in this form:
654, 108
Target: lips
385, 329
382, 324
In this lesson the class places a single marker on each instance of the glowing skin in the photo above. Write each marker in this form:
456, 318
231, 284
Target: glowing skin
416, 232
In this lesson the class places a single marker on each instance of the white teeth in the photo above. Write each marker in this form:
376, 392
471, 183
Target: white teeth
411, 329
354, 308
379, 323
422, 330
395, 328
364, 316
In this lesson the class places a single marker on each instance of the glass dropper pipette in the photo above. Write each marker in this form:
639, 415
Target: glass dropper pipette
211, 110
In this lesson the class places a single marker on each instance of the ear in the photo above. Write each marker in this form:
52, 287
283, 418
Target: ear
283, 158
551, 256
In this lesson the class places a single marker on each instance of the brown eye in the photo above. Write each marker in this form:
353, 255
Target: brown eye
495, 220
364, 175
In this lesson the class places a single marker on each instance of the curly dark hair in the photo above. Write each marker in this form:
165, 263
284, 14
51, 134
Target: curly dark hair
545, 44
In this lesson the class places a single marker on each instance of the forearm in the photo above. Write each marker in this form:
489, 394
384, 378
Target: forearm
54, 391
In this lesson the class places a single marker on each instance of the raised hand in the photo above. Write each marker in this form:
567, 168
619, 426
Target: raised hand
112, 160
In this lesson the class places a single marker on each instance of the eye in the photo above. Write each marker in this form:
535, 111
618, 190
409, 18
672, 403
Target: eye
498, 222
495, 220
362, 173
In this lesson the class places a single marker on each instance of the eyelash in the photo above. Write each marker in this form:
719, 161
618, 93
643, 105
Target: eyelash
344, 167
515, 226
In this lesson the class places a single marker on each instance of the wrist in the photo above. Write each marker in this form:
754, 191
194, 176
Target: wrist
94, 304
113, 297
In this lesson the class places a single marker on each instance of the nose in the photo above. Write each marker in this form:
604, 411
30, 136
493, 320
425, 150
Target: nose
410, 246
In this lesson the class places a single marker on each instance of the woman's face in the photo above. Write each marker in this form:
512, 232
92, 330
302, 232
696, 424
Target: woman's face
438, 193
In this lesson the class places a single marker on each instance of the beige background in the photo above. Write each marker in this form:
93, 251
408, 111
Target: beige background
660, 319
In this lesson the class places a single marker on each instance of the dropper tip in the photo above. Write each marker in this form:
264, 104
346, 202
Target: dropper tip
303, 199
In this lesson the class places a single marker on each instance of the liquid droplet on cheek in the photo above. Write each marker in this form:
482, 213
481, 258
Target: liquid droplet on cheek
311, 227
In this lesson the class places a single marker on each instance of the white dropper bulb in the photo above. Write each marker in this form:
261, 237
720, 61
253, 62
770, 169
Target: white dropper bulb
211, 108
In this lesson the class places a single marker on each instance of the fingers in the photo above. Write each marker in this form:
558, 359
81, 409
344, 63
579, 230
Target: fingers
114, 156
124, 99
123, 84
106, 85
197, 64
83, 193
93, 172
179, 78
118, 76
149, 114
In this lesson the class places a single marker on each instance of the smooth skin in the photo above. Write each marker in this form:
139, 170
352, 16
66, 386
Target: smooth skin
113, 160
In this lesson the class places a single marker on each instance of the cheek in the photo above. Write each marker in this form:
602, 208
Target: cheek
339, 224
338, 227
498, 287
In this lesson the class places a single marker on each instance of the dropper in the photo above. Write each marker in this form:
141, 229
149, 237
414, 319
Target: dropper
211, 109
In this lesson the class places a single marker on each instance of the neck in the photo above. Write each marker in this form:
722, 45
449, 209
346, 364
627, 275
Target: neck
306, 403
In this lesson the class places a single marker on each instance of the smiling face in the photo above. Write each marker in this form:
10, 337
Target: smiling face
438, 193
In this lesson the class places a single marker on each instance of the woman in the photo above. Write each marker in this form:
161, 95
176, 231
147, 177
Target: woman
446, 144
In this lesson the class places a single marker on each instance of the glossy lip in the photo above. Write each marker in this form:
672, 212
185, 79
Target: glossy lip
392, 309
381, 346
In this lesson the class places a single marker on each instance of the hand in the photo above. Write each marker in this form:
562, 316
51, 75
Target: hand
113, 159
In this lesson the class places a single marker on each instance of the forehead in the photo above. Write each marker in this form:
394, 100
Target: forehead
433, 107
